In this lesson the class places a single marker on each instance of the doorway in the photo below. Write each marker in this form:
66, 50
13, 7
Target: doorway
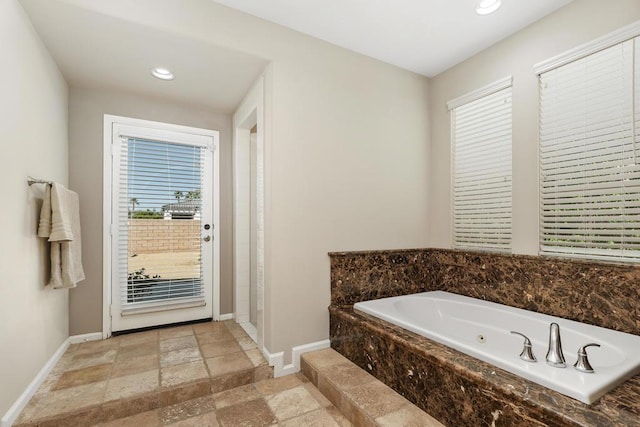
254, 193
163, 221
249, 215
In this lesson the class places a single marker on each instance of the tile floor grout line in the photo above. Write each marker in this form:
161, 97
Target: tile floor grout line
104, 398
204, 360
159, 373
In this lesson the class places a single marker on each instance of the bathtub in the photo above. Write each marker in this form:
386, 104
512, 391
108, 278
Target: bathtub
482, 329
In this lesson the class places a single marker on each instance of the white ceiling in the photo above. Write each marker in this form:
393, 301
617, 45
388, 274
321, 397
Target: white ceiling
83, 45
424, 36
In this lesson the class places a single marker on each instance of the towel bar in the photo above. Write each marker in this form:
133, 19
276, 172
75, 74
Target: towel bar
32, 181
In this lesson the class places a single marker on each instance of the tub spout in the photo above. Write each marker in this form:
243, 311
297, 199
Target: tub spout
554, 355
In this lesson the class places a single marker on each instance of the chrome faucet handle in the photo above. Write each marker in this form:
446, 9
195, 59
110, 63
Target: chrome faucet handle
555, 357
582, 364
527, 353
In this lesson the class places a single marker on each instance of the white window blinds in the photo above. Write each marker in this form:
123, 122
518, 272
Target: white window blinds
159, 221
590, 179
481, 152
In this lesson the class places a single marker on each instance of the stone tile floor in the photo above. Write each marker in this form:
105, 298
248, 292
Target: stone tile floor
202, 374
290, 401
208, 374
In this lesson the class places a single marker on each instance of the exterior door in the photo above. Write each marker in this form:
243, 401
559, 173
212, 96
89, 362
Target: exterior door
162, 226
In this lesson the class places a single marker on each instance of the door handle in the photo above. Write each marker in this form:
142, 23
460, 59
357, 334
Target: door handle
206, 238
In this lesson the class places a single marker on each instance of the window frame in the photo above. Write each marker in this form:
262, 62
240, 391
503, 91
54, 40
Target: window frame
581, 52
476, 95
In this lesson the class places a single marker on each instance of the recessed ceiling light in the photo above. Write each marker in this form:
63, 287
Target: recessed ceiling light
486, 7
162, 73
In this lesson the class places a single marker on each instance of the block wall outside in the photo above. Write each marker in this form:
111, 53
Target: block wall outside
148, 236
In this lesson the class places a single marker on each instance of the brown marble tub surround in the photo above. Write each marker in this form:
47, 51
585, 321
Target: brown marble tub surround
601, 294
458, 389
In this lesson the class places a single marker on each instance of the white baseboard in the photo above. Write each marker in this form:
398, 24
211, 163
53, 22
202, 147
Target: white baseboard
296, 352
14, 411
79, 339
242, 318
250, 330
277, 359
228, 316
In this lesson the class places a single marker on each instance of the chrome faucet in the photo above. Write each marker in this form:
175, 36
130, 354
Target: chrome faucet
554, 354
527, 350
582, 364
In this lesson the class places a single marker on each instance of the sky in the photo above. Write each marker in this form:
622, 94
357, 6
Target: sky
156, 170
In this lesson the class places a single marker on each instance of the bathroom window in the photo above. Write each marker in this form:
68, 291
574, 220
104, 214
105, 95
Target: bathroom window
589, 152
481, 163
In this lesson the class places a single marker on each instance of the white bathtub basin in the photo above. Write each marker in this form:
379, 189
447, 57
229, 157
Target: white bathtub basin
482, 329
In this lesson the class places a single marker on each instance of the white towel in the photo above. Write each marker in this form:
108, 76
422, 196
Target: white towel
60, 222
44, 226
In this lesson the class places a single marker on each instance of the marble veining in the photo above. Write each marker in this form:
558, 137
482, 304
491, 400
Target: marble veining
363, 276
453, 386
601, 294
460, 390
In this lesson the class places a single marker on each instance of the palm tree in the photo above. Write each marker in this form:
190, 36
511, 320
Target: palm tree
178, 195
134, 202
193, 195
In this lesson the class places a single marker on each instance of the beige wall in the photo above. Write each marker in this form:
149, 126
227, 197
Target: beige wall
33, 125
579, 22
347, 169
347, 141
86, 112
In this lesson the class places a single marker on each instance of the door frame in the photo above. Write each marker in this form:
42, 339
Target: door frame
250, 112
109, 121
